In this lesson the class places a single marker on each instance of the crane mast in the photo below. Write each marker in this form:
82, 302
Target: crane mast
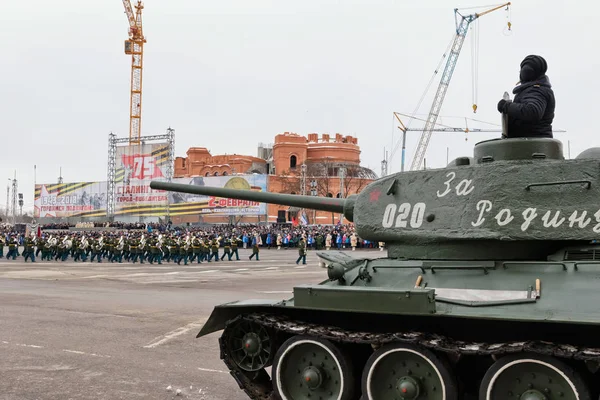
462, 27
134, 46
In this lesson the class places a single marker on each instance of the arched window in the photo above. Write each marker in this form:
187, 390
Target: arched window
206, 174
338, 195
216, 174
293, 193
225, 173
293, 161
329, 195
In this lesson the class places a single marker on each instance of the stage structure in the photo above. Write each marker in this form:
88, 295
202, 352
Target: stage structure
131, 167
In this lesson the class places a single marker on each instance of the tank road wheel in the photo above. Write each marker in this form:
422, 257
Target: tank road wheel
407, 372
532, 377
250, 346
308, 368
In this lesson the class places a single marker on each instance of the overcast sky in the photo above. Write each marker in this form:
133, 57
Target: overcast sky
228, 74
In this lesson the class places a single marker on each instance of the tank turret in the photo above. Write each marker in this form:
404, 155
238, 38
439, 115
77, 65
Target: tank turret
515, 199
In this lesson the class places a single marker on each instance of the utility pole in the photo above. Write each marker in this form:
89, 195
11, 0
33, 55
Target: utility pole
342, 176
302, 186
313, 192
60, 177
384, 164
7, 199
21, 206
14, 198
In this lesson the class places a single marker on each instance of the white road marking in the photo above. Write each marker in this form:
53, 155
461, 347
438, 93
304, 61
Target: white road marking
85, 354
212, 370
271, 268
175, 333
28, 345
5, 342
240, 269
300, 267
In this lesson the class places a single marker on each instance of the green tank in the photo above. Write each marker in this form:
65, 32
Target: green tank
489, 290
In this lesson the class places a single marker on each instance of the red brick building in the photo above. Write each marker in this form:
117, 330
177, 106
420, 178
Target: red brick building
330, 166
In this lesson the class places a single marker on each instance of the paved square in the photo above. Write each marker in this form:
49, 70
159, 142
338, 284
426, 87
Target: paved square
124, 331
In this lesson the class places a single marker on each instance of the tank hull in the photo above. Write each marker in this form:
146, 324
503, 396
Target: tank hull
457, 309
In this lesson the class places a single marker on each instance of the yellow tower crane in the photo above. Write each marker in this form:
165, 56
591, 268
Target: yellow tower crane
135, 47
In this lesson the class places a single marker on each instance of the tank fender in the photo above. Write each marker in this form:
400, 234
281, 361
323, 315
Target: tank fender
224, 312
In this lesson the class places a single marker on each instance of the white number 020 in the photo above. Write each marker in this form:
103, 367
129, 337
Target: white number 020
400, 214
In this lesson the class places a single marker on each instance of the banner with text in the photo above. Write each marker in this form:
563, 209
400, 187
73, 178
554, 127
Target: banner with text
136, 166
63, 200
88, 199
185, 204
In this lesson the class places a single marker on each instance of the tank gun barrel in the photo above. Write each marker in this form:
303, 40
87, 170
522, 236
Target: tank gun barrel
330, 204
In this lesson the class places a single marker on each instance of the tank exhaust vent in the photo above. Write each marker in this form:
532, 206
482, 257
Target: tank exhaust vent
579, 255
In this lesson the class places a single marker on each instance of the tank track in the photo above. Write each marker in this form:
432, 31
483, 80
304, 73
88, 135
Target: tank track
258, 387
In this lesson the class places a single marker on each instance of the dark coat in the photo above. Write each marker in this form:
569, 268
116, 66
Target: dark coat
532, 110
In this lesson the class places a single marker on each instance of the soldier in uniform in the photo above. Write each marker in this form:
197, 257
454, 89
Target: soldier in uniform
301, 251
254, 249
226, 249
41, 242
12, 248
47, 249
214, 249
183, 253
196, 246
204, 249
234, 248
133, 249
155, 254
28, 250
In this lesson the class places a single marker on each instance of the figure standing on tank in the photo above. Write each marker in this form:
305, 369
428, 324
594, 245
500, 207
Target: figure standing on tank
531, 112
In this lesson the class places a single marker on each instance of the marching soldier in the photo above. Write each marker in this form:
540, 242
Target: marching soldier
12, 248
226, 249
183, 252
214, 249
196, 249
41, 242
234, 248
28, 251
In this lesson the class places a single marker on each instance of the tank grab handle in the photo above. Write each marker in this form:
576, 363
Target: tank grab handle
587, 182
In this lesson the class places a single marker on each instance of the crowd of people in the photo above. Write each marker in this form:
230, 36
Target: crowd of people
157, 243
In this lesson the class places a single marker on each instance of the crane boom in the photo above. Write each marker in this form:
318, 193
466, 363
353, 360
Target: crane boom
129, 12
462, 27
135, 47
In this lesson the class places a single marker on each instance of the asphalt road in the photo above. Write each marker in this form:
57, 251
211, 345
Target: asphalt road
123, 331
